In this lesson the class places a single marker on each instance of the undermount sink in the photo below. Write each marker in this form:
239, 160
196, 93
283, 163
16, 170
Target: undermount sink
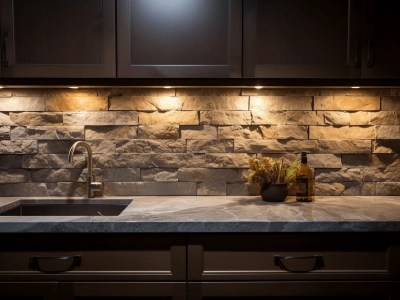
70, 207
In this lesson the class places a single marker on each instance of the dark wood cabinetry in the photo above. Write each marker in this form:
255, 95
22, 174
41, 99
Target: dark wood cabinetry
179, 38
58, 38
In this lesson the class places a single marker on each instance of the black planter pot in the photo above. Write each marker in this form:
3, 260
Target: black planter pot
274, 192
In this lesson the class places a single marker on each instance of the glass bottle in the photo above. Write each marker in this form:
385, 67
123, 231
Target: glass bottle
305, 191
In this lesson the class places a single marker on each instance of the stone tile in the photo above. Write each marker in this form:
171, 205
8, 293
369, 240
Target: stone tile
217, 117
208, 92
329, 189
151, 146
227, 160
198, 132
242, 189
381, 174
371, 160
120, 175
343, 132
210, 146
352, 188
58, 175
28, 92
211, 188
386, 146
344, 146
267, 118
240, 132
375, 118
388, 188
71, 101
56, 147
52, 161
348, 103
143, 103
14, 175
36, 118
159, 174
5, 93
158, 132
281, 92
66, 189
354, 92
274, 146
368, 189
205, 174
304, 118
274, 103
110, 132
169, 118
101, 118
324, 161
23, 189
101, 146
150, 188
23, 104
338, 175
284, 132
4, 132
147, 92
18, 147
388, 132
391, 103
10, 161
215, 103
5, 119
48, 133
335, 117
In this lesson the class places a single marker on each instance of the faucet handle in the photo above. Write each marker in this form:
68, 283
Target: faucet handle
95, 186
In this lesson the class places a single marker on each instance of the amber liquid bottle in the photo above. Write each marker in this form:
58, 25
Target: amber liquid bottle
305, 191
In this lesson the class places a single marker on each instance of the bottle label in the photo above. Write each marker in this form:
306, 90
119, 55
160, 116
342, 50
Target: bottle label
302, 186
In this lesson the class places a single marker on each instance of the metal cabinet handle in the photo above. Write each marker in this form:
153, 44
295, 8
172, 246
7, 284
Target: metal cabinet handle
370, 54
4, 59
34, 263
318, 262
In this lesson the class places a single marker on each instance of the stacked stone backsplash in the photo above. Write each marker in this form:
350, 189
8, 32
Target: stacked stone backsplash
192, 141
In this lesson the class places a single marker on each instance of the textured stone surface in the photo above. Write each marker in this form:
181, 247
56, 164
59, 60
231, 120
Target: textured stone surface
304, 118
335, 117
22, 104
198, 132
10, 161
150, 188
56, 147
268, 118
388, 132
5, 119
281, 92
324, 161
4, 132
49, 161
227, 160
354, 92
36, 118
386, 146
210, 146
284, 132
388, 188
158, 132
215, 103
343, 132
120, 174
374, 160
48, 133
338, 175
205, 174
242, 189
381, 174
169, 118
58, 175
151, 146
329, 189
280, 103
143, 103
240, 132
66, 189
210, 188
349, 103
274, 146
159, 174
14, 175
81, 100
375, 118
208, 92
344, 146
110, 132
18, 147
391, 103
217, 117
23, 189
101, 118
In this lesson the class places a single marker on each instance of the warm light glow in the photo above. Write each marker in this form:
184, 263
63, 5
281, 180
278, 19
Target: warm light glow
167, 87
258, 87
73, 87
1, 87
355, 87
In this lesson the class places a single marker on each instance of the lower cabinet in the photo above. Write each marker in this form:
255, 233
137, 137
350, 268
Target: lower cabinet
28, 290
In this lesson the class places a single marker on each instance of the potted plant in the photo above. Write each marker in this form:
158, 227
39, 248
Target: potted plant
273, 176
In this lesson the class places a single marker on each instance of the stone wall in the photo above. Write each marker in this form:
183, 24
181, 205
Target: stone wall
197, 141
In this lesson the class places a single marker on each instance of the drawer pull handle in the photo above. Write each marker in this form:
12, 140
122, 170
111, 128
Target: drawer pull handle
318, 263
54, 264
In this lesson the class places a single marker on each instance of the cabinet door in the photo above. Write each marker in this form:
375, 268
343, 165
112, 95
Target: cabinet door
382, 39
58, 38
179, 38
29, 290
302, 38
122, 291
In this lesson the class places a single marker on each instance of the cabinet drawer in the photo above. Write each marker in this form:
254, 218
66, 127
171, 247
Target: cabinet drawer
291, 256
99, 257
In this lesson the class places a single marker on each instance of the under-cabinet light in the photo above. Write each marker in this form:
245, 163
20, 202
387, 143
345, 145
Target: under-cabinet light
355, 87
258, 87
73, 87
167, 87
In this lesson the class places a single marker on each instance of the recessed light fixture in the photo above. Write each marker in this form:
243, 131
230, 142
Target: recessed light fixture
167, 87
258, 87
355, 87
73, 87
1, 87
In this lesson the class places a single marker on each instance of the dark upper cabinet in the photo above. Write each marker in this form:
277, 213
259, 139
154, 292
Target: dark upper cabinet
58, 38
381, 44
179, 38
302, 38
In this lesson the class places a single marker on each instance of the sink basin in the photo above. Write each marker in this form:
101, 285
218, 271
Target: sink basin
70, 207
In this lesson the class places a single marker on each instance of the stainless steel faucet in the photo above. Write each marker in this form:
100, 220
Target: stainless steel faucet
91, 185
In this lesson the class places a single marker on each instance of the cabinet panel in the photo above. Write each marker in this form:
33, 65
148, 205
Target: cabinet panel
291, 257
381, 46
29, 290
302, 38
41, 39
179, 38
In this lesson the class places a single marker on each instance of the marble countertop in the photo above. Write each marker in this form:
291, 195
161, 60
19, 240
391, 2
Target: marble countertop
219, 214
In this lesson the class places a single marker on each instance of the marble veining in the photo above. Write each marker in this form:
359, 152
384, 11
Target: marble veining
213, 214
